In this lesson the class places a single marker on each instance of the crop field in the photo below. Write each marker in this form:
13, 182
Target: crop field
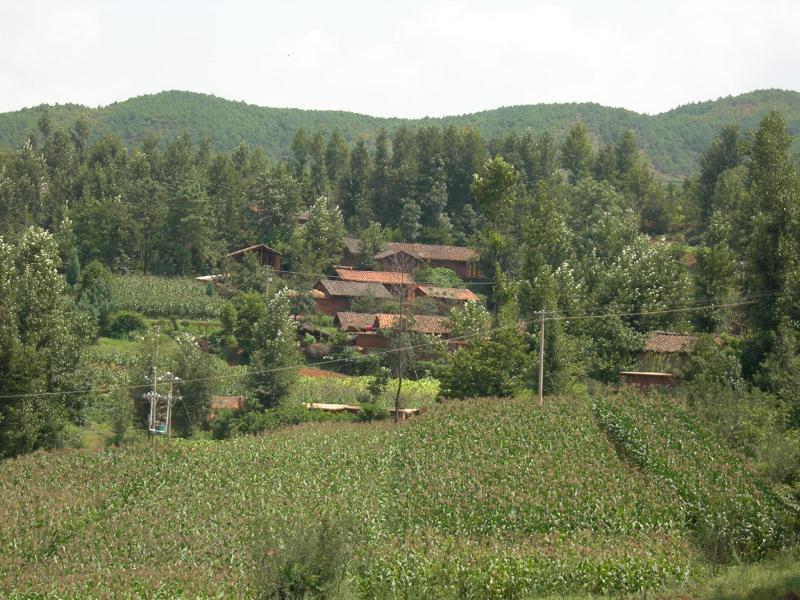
483, 499
164, 297
346, 390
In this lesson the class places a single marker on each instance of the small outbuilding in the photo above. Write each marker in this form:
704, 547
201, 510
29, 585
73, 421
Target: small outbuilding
266, 256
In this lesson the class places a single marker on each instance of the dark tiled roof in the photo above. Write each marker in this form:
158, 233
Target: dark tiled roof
351, 321
385, 277
434, 252
421, 251
464, 295
351, 244
353, 289
666, 342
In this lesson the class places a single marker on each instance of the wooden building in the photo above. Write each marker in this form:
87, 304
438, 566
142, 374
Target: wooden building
367, 328
445, 297
266, 256
337, 295
463, 261
399, 284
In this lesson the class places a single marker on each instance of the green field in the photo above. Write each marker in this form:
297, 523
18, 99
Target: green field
481, 499
178, 297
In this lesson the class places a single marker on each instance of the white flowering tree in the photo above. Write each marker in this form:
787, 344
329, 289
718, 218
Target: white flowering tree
41, 335
275, 352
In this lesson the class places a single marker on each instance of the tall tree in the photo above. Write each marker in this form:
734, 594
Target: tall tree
775, 244
337, 157
576, 152
319, 241
723, 154
41, 334
275, 352
355, 196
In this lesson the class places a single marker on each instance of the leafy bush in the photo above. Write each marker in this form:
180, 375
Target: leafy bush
121, 324
307, 562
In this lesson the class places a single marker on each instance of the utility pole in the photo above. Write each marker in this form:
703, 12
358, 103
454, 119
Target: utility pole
151, 425
541, 358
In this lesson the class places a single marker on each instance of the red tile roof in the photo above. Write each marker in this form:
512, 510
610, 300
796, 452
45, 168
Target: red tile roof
349, 321
421, 323
461, 294
667, 342
385, 277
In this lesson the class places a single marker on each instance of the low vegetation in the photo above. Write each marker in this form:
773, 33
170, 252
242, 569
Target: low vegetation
492, 498
164, 297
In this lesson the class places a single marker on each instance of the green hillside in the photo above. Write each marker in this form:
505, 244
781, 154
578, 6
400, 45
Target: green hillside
483, 499
673, 139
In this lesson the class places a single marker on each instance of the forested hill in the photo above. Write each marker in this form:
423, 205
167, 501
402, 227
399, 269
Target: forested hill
673, 140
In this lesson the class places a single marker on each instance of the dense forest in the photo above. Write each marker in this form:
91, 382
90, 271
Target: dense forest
673, 140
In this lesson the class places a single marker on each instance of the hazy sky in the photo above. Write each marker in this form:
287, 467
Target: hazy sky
409, 58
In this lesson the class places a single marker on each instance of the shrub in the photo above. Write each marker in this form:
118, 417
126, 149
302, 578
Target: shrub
304, 562
121, 324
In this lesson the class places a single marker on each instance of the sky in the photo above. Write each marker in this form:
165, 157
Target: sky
401, 58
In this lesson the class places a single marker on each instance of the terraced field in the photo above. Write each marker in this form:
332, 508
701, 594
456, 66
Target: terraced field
483, 499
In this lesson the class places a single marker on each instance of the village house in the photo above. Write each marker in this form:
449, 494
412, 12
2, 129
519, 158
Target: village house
399, 284
463, 261
337, 295
265, 255
367, 327
664, 354
445, 297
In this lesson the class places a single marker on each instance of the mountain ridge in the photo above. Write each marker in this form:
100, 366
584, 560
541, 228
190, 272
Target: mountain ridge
672, 139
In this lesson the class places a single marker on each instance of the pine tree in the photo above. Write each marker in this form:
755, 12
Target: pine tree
576, 152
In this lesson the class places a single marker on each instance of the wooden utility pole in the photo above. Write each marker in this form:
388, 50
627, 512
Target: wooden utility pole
541, 358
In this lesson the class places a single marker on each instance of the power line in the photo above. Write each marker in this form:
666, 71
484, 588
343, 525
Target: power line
650, 312
393, 350
270, 370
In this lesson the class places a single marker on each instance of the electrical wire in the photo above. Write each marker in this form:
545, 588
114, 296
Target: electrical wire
394, 350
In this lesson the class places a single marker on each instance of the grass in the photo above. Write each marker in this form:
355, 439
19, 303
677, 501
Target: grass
480, 499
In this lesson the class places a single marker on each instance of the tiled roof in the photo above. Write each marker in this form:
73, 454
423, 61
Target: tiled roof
666, 342
421, 251
434, 252
353, 289
387, 253
252, 248
385, 277
422, 323
351, 321
464, 295
231, 402
351, 244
